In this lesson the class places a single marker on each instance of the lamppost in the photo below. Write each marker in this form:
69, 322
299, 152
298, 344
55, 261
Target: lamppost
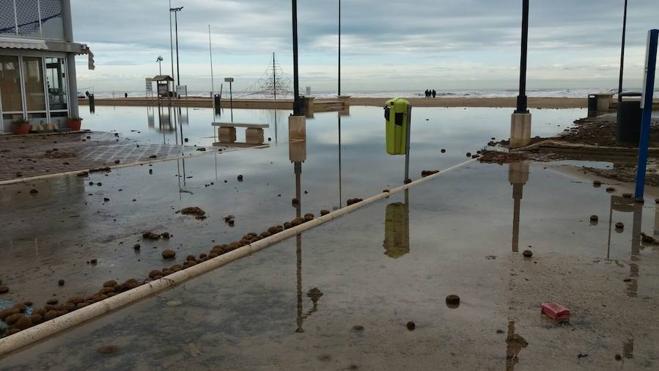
622, 52
520, 129
159, 60
339, 63
296, 78
178, 71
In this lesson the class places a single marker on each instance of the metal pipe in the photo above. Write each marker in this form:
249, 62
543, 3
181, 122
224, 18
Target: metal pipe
339, 63
296, 76
171, 40
622, 53
210, 51
178, 66
522, 106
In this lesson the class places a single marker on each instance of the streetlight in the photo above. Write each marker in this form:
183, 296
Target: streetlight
339, 89
230, 81
520, 128
622, 53
159, 60
178, 71
296, 83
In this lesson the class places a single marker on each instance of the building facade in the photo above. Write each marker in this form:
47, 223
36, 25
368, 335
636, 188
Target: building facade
37, 63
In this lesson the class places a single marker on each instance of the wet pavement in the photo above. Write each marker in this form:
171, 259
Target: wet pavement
461, 230
343, 295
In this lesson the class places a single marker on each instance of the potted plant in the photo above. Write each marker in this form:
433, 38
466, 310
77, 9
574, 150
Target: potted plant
74, 123
21, 126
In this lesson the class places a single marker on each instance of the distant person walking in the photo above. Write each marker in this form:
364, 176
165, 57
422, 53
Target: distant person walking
434, 93
125, 95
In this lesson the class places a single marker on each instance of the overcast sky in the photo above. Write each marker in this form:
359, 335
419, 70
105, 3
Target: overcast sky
387, 45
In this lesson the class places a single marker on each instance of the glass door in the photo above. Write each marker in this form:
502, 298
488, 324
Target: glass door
35, 96
57, 89
11, 96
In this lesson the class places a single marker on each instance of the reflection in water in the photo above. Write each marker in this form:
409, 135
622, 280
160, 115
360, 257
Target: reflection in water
397, 229
340, 168
518, 175
514, 345
150, 117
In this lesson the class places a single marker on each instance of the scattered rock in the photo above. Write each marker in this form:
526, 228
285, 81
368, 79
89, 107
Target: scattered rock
582, 355
358, 328
230, 220
150, 236
33, 191
426, 173
137, 247
468, 154
527, 253
52, 302
408, 181
93, 261
60, 283
597, 184
648, 240
108, 349
168, 254
620, 226
240, 178
610, 190
324, 212
443, 150
111, 283
618, 357
627, 195
353, 201
411, 326
594, 218
453, 301
197, 212
309, 217
4, 290
295, 202
165, 235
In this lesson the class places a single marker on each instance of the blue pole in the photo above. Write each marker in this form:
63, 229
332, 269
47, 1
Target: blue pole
646, 105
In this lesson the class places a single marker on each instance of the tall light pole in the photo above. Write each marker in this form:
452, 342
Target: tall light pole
171, 40
159, 60
339, 89
622, 52
210, 51
520, 127
296, 76
178, 67
521, 98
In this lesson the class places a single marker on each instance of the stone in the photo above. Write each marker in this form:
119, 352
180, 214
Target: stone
150, 236
597, 184
324, 212
453, 301
443, 150
165, 235
426, 173
197, 212
468, 154
52, 302
108, 349
240, 178
10, 320
620, 226
411, 325
137, 247
594, 218
111, 283
527, 253
33, 191
60, 283
93, 261
358, 328
4, 290
610, 190
168, 254
308, 217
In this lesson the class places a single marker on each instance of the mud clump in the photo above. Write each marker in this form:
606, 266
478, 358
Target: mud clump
620, 226
528, 254
168, 254
594, 219
165, 236
230, 220
240, 178
610, 190
597, 184
108, 349
197, 212
648, 240
150, 236
453, 301
295, 202
111, 283
60, 283
137, 247
411, 326
4, 290
353, 201
324, 212
426, 173
408, 181
309, 217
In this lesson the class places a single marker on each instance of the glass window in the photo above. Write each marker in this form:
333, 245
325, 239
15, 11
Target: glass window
7, 20
34, 92
56, 80
10, 84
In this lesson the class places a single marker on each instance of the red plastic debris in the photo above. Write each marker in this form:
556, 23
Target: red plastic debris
556, 312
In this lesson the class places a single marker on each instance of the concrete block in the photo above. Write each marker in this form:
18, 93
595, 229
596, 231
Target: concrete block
254, 136
297, 128
520, 130
227, 134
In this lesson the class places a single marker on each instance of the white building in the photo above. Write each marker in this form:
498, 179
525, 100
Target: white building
37, 62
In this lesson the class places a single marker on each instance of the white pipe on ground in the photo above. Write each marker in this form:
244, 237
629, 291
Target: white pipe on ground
42, 331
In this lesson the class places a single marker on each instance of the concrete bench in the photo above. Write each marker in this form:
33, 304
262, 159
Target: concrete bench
253, 132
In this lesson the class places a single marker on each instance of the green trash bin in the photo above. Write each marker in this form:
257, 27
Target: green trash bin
397, 116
